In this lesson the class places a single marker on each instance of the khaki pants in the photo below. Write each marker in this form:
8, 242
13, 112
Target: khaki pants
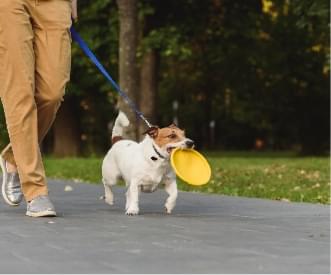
35, 56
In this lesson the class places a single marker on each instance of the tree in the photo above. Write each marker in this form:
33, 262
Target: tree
149, 64
65, 131
127, 59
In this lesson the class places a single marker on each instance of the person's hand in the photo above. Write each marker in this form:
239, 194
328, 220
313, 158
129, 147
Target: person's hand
74, 13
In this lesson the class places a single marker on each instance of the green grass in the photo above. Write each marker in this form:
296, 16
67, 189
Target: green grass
278, 176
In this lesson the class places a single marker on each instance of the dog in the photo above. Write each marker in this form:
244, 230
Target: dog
143, 166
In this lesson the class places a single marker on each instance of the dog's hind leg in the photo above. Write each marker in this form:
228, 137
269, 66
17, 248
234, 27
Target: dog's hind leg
109, 196
110, 175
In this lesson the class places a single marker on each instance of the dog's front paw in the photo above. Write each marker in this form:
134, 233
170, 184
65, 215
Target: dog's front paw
167, 210
131, 211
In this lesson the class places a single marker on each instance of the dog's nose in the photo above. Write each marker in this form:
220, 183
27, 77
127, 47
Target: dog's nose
189, 143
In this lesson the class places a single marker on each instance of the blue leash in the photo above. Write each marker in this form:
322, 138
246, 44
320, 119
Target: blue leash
76, 37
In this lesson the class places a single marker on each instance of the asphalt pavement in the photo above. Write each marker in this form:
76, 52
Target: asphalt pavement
205, 234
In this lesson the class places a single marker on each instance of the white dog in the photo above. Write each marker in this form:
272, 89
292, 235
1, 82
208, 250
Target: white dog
143, 166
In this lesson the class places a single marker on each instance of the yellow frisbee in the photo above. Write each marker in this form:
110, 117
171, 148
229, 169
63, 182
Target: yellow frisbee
190, 166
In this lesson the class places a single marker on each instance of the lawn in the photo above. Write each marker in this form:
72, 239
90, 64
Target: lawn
278, 176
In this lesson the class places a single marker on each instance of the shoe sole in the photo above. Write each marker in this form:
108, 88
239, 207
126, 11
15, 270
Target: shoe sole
4, 178
47, 213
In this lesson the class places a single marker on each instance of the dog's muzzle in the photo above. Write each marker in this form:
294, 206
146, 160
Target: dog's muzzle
189, 143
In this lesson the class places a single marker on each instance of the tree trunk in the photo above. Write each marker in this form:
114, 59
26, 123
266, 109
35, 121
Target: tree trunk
148, 87
127, 60
65, 132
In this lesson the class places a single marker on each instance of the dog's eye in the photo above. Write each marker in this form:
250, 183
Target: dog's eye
172, 136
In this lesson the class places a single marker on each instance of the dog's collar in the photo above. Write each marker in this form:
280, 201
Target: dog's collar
158, 153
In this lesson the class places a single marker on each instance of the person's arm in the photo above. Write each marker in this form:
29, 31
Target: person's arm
74, 13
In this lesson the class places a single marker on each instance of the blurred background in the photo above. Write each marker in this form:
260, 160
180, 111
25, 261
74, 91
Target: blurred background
236, 74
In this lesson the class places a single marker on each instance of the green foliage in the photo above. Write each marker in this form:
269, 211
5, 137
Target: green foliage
75, 169
310, 11
169, 41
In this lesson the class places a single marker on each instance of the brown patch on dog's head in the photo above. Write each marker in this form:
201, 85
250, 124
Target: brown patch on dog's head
169, 138
152, 131
169, 135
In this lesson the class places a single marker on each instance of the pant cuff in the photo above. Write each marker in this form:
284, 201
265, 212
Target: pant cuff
33, 192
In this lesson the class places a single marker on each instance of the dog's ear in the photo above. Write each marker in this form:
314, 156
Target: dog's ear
152, 131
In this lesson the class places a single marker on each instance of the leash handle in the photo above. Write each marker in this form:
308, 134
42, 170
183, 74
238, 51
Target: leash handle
76, 37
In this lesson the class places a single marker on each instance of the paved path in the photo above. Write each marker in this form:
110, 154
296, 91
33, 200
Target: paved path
206, 234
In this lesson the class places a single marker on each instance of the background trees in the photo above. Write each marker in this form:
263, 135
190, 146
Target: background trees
128, 74
258, 69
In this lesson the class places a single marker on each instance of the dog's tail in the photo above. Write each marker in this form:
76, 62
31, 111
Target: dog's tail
121, 122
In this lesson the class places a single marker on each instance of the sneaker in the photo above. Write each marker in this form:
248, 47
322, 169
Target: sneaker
11, 186
40, 207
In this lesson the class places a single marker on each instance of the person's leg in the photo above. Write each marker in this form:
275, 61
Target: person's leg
17, 74
52, 49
